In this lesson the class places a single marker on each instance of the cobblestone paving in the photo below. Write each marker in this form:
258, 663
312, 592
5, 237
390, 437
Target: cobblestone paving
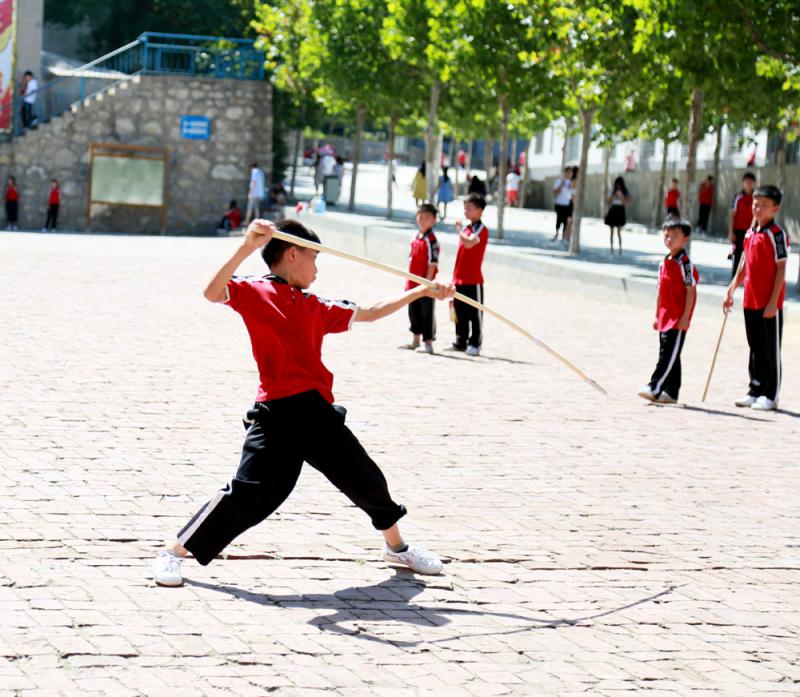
594, 545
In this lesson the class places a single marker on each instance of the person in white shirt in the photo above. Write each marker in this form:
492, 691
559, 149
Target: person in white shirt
512, 187
255, 193
562, 192
28, 92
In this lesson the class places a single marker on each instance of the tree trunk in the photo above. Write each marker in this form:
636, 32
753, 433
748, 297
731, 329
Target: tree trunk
715, 174
454, 164
489, 161
565, 148
389, 184
298, 148
658, 207
606, 159
360, 115
695, 130
513, 152
501, 184
780, 161
526, 173
432, 146
575, 238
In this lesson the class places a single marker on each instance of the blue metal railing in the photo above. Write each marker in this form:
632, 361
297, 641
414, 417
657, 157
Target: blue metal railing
151, 53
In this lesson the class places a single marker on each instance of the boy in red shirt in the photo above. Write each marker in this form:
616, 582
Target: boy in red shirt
294, 418
12, 204
740, 219
763, 268
705, 197
423, 261
672, 200
677, 294
468, 275
53, 203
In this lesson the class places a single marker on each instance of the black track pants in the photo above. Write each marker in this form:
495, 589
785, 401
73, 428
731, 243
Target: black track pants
285, 433
764, 338
667, 375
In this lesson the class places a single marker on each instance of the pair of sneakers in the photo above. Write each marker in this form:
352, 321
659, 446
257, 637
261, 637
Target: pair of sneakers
762, 403
425, 347
167, 566
469, 350
663, 398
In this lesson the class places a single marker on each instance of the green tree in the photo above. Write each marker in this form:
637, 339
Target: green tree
114, 23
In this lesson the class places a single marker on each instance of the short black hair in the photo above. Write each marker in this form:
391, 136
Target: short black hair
28, 72
233, 203
476, 200
674, 221
428, 208
750, 176
273, 251
675, 181
773, 193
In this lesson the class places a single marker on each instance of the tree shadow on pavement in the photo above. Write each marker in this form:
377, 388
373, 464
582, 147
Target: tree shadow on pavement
390, 601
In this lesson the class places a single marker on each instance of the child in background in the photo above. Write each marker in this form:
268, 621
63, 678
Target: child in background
677, 294
12, 204
423, 261
53, 203
468, 276
232, 218
672, 200
763, 269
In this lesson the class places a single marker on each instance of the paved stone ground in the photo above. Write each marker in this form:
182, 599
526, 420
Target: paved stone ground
594, 545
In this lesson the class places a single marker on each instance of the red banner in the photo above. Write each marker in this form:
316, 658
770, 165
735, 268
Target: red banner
6, 63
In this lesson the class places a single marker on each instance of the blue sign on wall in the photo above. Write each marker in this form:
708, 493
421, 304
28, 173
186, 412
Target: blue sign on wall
196, 127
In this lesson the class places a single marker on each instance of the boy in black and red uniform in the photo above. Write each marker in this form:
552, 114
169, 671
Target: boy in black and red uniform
677, 294
763, 268
740, 219
672, 200
423, 261
294, 419
468, 276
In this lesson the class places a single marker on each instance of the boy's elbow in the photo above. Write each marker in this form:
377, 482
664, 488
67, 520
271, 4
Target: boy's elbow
212, 297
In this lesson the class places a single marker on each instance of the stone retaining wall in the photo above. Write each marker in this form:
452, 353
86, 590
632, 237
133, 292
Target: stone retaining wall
203, 174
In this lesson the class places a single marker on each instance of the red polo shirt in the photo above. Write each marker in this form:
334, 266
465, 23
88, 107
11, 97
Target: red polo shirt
424, 253
675, 275
763, 248
742, 207
706, 193
468, 270
11, 194
54, 198
672, 198
286, 327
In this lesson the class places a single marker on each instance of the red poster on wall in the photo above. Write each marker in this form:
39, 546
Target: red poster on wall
6, 63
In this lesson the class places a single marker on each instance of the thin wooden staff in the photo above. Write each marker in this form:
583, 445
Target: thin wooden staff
300, 242
716, 351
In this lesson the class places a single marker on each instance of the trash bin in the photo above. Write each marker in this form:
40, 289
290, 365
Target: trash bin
331, 186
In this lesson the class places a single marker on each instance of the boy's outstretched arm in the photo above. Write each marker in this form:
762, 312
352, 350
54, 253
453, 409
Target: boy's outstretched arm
259, 233
383, 308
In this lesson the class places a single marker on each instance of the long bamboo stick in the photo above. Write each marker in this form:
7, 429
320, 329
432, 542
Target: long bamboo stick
300, 242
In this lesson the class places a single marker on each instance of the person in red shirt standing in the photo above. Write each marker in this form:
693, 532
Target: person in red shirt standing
705, 197
294, 418
12, 204
468, 276
423, 261
677, 294
53, 203
672, 200
763, 269
740, 219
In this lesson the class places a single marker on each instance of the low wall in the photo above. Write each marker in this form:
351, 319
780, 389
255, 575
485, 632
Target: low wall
643, 187
203, 174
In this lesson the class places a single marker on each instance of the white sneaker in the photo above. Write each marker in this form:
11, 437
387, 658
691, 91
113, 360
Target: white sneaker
666, 398
415, 558
747, 401
473, 351
427, 347
647, 393
167, 569
764, 404
411, 346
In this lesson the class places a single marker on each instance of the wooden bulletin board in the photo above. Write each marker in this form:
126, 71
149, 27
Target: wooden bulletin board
128, 175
